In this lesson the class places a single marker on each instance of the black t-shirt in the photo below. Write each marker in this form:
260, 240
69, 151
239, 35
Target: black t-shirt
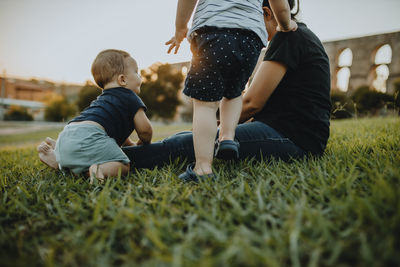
114, 109
299, 108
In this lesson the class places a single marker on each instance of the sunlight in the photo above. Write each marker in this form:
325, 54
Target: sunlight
345, 58
343, 77
383, 55
382, 74
382, 58
184, 71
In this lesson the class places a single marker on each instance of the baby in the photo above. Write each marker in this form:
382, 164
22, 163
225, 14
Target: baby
91, 142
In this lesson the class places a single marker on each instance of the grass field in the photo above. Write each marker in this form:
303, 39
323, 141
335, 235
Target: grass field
340, 210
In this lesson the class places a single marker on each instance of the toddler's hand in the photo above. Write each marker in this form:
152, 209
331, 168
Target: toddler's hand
175, 41
292, 27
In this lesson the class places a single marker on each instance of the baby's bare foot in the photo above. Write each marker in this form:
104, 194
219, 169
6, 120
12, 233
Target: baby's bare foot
96, 173
47, 155
51, 142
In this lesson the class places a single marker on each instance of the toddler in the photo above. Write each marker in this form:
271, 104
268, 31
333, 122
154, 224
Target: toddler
226, 39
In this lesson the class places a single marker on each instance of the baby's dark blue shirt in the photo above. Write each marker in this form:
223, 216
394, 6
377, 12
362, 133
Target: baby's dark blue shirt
114, 109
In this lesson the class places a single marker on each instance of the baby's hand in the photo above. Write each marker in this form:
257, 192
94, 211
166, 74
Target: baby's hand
292, 27
175, 41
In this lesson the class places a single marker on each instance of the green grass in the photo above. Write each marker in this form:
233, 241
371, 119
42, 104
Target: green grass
340, 210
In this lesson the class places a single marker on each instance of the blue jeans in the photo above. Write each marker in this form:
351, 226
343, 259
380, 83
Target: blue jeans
257, 140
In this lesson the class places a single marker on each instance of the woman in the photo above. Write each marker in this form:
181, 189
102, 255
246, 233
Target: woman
288, 104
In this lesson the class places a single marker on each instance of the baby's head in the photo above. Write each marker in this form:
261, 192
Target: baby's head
113, 68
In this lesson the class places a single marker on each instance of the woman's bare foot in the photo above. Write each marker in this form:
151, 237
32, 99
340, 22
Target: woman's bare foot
96, 173
51, 142
47, 155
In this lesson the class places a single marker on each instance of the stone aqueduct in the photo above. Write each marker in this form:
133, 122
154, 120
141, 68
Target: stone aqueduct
365, 63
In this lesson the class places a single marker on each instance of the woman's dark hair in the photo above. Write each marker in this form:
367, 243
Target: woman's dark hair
291, 5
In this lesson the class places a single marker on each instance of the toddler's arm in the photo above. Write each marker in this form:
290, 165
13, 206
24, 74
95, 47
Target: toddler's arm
143, 127
281, 11
183, 13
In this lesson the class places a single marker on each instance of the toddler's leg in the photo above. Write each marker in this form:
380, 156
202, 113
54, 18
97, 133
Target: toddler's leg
107, 169
47, 155
230, 110
204, 132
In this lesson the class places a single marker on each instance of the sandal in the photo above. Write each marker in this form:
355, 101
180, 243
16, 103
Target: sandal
190, 176
227, 150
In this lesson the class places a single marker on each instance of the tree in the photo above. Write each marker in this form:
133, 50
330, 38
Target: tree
342, 106
87, 94
159, 91
58, 108
397, 94
18, 113
369, 100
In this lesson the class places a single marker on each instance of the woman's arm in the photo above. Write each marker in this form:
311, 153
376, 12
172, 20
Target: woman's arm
266, 79
143, 127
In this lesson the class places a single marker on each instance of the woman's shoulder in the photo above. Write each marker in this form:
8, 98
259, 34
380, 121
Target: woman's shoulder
308, 35
303, 39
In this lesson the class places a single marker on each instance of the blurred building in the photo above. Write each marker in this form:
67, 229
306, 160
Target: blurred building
373, 61
23, 93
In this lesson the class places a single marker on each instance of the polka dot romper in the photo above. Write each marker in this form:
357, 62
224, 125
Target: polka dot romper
223, 60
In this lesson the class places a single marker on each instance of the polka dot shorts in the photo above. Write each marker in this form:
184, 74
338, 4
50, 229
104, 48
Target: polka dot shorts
222, 62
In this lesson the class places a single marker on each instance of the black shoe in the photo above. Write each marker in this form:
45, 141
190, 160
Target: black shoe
227, 150
190, 176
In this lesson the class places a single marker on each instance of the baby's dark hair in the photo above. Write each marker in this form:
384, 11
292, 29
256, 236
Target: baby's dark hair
291, 5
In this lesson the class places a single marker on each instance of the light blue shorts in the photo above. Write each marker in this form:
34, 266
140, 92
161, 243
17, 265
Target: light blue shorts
81, 145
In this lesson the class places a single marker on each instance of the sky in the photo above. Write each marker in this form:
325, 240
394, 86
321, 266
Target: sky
58, 40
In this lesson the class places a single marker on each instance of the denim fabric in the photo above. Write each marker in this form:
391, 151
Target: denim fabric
257, 140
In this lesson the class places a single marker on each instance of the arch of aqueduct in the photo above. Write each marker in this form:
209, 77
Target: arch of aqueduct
363, 65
